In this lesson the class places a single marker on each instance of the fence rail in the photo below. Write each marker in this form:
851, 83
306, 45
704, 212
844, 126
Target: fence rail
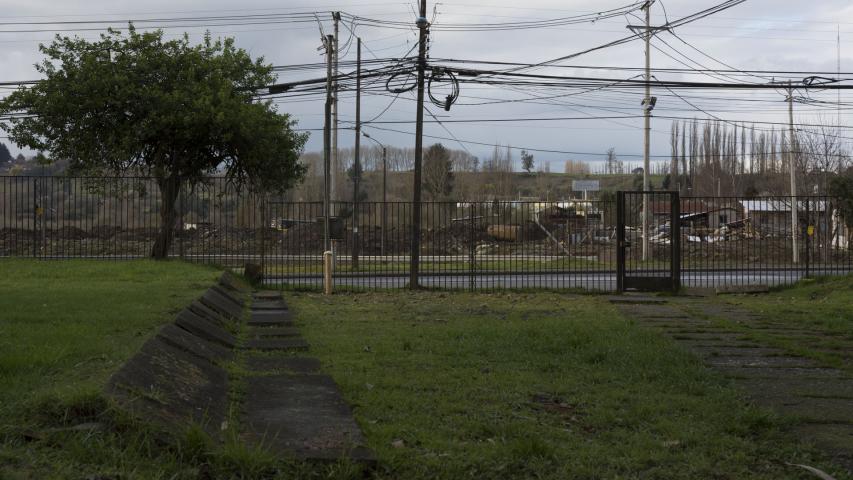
473, 245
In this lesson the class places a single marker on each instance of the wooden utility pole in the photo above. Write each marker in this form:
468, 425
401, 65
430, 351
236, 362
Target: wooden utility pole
327, 147
356, 169
419, 132
795, 223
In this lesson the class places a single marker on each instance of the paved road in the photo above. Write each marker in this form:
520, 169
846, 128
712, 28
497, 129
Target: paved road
605, 281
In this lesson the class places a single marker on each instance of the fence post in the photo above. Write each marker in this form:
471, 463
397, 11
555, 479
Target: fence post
264, 224
471, 248
181, 219
807, 241
675, 242
620, 241
35, 218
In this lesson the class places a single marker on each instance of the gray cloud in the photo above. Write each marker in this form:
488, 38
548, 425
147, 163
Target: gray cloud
760, 34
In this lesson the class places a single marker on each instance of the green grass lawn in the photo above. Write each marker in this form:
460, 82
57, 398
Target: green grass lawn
541, 385
65, 326
444, 385
813, 319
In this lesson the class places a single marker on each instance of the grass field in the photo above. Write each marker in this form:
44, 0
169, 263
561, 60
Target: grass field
813, 319
65, 326
544, 385
444, 385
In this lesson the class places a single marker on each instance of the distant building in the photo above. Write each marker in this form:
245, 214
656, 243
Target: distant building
774, 216
698, 213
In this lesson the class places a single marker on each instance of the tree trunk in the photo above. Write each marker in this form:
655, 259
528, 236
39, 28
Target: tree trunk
170, 187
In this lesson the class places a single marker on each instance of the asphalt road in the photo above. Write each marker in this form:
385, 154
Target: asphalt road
605, 281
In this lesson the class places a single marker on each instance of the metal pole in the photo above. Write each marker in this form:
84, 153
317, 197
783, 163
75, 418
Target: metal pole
384, 194
327, 147
620, 241
336, 16
35, 218
795, 224
647, 113
357, 161
419, 131
808, 238
675, 241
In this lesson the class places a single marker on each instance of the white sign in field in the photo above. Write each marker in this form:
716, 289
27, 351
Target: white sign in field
585, 185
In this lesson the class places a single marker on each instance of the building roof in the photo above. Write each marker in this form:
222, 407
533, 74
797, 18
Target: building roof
779, 206
690, 206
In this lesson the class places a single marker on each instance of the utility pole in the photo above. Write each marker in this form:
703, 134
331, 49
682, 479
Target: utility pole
419, 132
795, 223
647, 126
384, 195
336, 16
327, 147
356, 169
648, 104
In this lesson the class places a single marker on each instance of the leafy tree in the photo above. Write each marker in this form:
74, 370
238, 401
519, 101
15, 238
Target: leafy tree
526, 161
438, 171
5, 155
179, 112
638, 182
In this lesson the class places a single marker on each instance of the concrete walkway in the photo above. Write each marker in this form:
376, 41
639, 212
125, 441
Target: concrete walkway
290, 407
818, 398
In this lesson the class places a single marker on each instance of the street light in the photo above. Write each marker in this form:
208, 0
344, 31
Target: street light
384, 188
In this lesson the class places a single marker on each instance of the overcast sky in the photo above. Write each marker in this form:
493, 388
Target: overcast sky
758, 34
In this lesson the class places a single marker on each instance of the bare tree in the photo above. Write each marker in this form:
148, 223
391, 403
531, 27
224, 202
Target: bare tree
822, 155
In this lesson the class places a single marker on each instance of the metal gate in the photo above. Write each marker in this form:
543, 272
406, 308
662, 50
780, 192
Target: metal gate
648, 257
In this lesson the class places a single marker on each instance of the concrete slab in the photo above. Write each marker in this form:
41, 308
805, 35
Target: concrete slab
804, 387
221, 304
303, 416
781, 374
271, 318
231, 282
273, 332
267, 295
186, 341
630, 299
238, 299
723, 336
167, 385
269, 305
291, 344
205, 329
724, 350
712, 343
262, 364
823, 410
758, 361
210, 314
740, 289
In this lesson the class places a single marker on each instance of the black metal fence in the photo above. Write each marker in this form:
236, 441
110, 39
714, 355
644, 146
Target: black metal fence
471, 245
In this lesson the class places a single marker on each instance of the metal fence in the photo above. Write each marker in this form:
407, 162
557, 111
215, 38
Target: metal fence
724, 241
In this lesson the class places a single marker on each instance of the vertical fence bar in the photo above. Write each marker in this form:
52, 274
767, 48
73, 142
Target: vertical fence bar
35, 217
807, 239
620, 242
675, 242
